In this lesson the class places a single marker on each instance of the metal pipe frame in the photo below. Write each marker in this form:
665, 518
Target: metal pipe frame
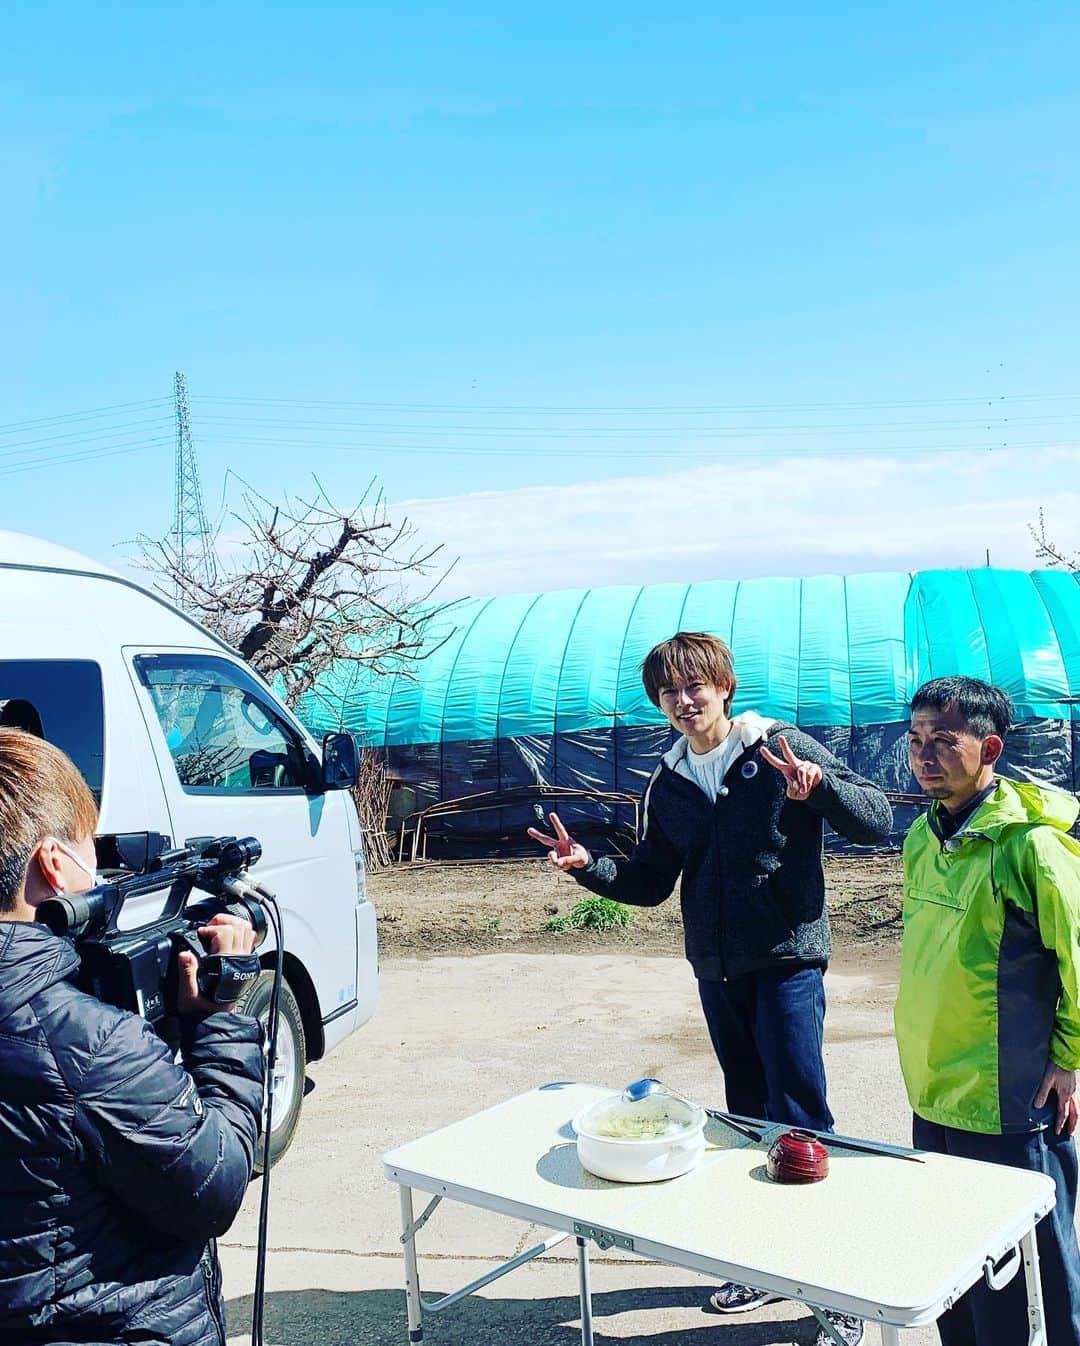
417, 1306
437, 1305
1035, 1307
584, 1291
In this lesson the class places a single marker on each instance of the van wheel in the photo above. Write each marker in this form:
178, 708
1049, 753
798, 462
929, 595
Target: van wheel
290, 1064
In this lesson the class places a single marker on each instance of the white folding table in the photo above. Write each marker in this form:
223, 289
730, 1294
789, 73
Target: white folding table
884, 1238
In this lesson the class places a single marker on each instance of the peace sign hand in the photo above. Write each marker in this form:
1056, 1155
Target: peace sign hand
565, 853
802, 777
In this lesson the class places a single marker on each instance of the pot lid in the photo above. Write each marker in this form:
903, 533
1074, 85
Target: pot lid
657, 1117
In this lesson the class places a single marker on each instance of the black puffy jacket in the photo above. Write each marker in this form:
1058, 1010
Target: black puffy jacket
117, 1167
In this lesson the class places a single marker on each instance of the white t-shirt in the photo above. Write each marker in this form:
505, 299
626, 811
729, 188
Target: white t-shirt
708, 769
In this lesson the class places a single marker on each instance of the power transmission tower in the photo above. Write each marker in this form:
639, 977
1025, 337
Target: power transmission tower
191, 538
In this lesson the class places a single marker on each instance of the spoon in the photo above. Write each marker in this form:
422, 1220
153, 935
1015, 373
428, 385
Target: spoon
637, 1090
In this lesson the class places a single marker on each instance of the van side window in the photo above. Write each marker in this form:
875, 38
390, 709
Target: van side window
223, 733
59, 700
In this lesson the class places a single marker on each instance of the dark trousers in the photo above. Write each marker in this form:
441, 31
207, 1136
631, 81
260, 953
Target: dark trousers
766, 1029
985, 1317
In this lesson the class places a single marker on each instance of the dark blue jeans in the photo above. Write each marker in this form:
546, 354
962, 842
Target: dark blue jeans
766, 1029
985, 1317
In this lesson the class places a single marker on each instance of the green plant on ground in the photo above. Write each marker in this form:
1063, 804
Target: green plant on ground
492, 925
591, 913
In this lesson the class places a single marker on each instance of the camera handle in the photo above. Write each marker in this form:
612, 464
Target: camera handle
221, 978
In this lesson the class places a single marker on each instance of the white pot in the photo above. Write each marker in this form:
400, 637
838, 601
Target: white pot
639, 1159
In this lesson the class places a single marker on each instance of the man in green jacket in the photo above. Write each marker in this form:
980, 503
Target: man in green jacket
988, 1011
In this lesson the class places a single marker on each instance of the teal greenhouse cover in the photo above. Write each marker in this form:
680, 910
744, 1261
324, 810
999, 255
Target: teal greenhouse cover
827, 650
544, 689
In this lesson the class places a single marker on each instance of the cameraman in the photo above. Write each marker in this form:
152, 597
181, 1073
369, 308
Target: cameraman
117, 1167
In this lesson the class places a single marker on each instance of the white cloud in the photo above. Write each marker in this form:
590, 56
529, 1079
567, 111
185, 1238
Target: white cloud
780, 517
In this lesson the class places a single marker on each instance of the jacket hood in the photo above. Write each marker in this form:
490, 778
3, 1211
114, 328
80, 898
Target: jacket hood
1018, 802
32, 959
750, 728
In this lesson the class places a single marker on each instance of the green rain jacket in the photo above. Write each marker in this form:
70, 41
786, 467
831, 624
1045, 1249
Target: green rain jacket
990, 966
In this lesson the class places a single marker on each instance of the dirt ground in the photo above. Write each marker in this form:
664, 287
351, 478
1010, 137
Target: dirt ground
430, 909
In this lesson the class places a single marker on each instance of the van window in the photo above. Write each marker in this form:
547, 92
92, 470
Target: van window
223, 732
59, 700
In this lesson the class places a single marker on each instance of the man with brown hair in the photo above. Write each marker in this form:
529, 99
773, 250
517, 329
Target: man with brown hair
118, 1168
736, 808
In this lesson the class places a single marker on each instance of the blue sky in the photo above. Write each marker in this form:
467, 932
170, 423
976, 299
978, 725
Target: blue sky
584, 285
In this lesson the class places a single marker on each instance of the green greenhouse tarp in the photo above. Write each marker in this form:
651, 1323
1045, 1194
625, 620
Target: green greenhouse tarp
824, 651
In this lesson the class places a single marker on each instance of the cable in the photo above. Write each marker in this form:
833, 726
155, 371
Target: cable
644, 432
624, 433
645, 409
622, 450
277, 921
91, 456
13, 426
98, 432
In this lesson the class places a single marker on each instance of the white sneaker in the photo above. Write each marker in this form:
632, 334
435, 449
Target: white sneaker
732, 1297
848, 1329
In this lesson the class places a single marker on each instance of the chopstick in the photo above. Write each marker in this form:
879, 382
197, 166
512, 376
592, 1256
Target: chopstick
866, 1148
827, 1139
730, 1121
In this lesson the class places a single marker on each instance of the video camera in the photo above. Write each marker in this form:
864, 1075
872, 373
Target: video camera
137, 969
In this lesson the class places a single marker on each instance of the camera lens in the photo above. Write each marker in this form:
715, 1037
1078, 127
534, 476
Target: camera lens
241, 853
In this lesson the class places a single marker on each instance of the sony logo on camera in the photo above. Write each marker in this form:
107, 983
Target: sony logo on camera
223, 977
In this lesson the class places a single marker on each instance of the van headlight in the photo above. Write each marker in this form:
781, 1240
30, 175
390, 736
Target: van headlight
361, 878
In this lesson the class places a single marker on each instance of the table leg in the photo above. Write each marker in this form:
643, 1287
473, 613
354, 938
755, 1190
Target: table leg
890, 1336
585, 1291
412, 1274
1036, 1314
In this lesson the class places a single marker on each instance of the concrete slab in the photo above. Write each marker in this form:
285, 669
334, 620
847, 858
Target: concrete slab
453, 1035
326, 1301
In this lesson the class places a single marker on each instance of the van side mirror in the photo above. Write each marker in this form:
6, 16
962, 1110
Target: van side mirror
341, 763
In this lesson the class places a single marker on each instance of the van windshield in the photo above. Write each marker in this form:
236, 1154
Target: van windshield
59, 700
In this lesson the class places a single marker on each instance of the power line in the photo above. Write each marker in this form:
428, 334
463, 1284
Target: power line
7, 470
13, 426
645, 409
624, 450
95, 442
99, 432
624, 432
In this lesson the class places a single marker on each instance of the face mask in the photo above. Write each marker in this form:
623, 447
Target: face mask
91, 874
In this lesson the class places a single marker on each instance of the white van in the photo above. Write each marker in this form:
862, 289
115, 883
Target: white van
176, 734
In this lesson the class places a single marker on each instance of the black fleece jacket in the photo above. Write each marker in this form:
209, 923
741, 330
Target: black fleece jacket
753, 887
117, 1166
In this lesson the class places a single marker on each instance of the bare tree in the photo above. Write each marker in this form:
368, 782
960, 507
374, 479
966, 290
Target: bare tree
311, 586
1047, 550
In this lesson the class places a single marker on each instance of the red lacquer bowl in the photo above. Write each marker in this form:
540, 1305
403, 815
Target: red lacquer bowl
797, 1156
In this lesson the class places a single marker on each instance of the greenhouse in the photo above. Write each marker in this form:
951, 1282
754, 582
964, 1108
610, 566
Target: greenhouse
544, 689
